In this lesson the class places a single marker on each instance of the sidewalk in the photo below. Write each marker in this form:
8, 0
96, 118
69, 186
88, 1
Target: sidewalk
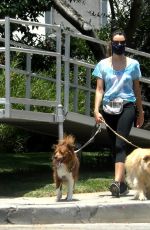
101, 226
85, 208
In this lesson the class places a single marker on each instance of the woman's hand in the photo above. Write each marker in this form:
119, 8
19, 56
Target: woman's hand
140, 119
98, 117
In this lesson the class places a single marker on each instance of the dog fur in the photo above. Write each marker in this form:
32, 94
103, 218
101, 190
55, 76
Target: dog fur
137, 166
65, 166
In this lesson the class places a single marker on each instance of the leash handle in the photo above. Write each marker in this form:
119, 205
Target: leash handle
120, 136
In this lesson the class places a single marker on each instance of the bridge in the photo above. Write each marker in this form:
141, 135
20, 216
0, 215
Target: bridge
69, 110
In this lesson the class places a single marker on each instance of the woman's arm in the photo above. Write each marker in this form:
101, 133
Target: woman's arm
98, 99
140, 112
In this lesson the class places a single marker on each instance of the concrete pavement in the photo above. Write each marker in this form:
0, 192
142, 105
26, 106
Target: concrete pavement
84, 209
97, 226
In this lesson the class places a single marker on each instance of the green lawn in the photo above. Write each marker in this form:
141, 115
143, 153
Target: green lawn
30, 174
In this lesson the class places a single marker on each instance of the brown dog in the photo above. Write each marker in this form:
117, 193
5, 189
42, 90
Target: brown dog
65, 166
138, 172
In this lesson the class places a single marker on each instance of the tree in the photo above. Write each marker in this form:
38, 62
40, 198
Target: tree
124, 14
133, 16
142, 32
80, 24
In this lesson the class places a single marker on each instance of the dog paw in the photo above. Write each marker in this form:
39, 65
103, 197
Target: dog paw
69, 198
58, 195
142, 197
58, 198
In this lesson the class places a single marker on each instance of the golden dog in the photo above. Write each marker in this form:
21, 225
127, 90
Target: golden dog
65, 166
137, 166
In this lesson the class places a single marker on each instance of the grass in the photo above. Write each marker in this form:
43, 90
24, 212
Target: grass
30, 174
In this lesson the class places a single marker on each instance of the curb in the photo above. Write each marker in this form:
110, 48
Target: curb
88, 208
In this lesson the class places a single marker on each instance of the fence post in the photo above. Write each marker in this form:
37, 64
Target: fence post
88, 93
67, 68
58, 66
60, 119
28, 79
7, 66
75, 89
60, 114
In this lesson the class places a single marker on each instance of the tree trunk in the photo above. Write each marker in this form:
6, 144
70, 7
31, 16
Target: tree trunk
132, 25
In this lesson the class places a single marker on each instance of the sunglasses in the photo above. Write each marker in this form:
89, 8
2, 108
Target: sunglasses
118, 42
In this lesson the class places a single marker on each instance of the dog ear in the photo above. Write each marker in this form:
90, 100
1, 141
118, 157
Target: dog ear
146, 158
69, 140
71, 147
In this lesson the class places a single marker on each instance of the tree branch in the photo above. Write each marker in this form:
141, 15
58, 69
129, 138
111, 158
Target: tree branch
112, 9
111, 3
80, 24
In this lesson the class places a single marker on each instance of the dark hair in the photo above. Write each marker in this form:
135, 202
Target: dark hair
109, 45
109, 49
117, 32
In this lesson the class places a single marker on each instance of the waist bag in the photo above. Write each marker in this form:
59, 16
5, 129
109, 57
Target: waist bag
114, 107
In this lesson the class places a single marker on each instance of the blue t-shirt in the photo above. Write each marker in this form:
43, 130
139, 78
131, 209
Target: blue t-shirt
118, 83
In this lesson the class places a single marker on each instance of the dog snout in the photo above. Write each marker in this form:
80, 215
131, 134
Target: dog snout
59, 157
55, 157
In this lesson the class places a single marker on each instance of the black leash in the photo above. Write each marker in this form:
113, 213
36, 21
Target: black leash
98, 129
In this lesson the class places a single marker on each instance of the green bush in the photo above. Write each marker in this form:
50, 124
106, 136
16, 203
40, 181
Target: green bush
12, 139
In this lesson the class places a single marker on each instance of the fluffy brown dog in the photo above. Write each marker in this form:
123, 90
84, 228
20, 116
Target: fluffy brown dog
65, 166
138, 172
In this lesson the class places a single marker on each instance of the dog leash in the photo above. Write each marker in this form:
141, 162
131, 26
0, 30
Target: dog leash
98, 126
120, 136
99, 130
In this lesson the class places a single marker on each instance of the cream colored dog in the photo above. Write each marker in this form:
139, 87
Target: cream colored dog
138, 172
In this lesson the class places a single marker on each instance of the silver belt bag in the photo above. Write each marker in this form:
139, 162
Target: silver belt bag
114, 107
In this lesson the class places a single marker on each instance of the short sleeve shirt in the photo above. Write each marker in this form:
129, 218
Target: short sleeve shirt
118, 83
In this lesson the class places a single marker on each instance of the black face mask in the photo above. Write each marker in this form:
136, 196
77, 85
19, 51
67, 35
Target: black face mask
118, 49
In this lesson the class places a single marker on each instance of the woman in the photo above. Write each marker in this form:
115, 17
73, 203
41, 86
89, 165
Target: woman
118, 89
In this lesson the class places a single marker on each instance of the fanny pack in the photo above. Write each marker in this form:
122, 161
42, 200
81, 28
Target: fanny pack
114, 107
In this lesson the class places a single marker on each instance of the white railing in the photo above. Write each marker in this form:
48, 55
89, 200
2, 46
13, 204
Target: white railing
73, 63
72, 81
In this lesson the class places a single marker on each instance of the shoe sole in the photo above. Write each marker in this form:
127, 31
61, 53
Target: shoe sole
124, 193
115, 191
